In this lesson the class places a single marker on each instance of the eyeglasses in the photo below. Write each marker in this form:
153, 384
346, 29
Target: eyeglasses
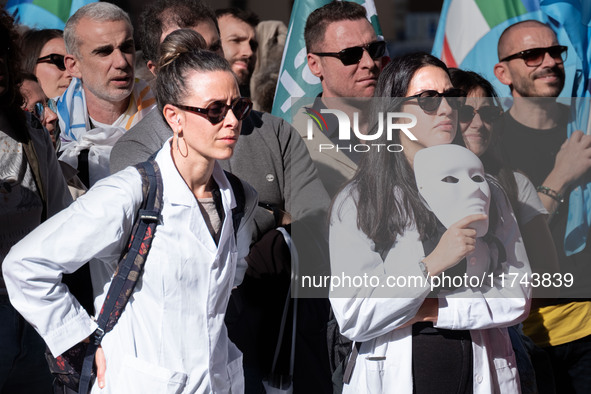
353, 55
430, 100
55, 59
535, 56
488, 113
216, 112
39, 109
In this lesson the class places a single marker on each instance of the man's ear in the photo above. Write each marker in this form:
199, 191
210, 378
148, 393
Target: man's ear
314, 64
151, 66
173, 117
71, 64
503, 74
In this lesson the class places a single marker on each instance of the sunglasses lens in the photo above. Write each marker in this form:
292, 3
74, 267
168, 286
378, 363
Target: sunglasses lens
216, 112
489, 114
534, 57
376, 49
558, 53
455, 98
455, 102
241, 108
351, 55
429, 100
52, 105
58, 60
466, 113
39, 111
429, 104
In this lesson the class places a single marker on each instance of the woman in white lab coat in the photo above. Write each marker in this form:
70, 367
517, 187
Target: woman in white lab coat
171, 336
387, 249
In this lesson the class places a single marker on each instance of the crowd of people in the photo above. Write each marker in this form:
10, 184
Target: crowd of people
253, 204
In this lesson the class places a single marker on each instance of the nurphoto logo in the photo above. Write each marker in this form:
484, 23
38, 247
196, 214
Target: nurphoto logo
387, 123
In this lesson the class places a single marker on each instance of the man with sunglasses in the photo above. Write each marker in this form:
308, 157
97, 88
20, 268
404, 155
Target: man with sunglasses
345, 53
343, 50
531, 63
272, 157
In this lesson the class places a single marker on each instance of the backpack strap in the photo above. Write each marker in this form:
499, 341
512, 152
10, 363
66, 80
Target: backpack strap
130, 266
240, 196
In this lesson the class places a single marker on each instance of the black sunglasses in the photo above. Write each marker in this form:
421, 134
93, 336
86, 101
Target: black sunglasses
535, 56
488, 113
430, 100
353, 55
55, 59
216, 112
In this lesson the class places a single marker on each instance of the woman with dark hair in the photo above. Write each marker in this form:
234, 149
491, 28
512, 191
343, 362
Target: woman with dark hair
32, 189
171, 335
477, 124
44, 52
419, 333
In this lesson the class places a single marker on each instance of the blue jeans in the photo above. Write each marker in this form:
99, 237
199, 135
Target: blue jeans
23, 368
572, 365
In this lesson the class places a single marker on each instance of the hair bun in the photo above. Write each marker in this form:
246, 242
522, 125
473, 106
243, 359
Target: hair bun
178, 43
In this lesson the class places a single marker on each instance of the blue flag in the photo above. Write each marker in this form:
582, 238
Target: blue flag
44, 14
467, 37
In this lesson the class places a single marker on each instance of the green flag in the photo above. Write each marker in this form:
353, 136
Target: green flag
295, 78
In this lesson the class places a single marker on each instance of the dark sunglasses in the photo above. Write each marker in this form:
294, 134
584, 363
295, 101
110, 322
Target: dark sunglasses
55, 59
353, 55
488, 113
216, 112
430, 100
535, 56
39, 109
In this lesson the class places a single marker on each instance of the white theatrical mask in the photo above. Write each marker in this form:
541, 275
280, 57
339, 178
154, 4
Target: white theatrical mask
451, 180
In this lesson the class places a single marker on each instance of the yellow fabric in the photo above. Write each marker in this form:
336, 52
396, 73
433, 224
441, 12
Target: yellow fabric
559, 324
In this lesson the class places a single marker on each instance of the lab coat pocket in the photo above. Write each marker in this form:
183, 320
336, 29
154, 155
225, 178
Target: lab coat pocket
236, 375
139, 376
374, 370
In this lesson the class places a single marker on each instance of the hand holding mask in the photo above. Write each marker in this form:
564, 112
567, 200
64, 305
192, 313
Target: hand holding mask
450, 178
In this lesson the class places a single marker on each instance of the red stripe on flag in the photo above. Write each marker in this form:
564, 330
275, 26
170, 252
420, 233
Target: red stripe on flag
446, 54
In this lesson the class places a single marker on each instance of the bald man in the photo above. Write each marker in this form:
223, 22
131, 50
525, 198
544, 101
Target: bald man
531, 63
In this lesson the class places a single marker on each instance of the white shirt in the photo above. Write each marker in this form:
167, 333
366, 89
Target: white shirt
373, 315
171, 336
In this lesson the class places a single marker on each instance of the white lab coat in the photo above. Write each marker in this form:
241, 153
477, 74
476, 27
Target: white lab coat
372, 315
171, 337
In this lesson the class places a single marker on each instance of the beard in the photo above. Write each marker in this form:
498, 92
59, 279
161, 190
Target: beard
527, 86
243, 75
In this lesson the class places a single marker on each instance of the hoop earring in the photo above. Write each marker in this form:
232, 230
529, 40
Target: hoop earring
186, 147
176, 135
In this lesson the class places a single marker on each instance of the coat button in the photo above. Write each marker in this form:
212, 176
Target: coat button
270, 177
